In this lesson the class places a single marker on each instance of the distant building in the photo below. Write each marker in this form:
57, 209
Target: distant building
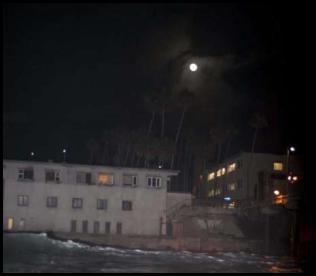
246, 178
40, 196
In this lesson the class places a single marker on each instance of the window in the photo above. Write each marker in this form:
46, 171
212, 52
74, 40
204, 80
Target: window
102, 204
23, 200
231, 167
52, 176
277, 166
211, 176
85, 226
231, 187
211, 193
96, 227
73, 226
26, 174
129, 180
51, 202
105, 179
223, 171
10, 223
219, 173
119, 228
77, 203
126, 205
154, 182
217, 192
84, 178
107, 227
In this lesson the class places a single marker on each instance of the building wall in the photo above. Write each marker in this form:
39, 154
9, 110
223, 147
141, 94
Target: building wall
245, 175
148, 204
174, 199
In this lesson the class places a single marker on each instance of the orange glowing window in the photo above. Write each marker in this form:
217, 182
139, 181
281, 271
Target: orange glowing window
211, 176
231, 167
277, 166
105, 179
219, 173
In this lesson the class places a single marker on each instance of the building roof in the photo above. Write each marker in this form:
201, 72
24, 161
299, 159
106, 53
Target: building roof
70, 165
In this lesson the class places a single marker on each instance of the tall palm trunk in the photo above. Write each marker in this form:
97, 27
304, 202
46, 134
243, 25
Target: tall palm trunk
162, 122
177, 136
151, 123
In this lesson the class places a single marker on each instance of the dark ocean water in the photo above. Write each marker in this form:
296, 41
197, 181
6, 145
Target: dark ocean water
37, 253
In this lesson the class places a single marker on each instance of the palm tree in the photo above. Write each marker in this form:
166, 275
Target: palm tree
257, 121
93, 147
185, 100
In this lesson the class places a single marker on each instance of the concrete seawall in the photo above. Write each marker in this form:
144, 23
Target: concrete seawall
155, 243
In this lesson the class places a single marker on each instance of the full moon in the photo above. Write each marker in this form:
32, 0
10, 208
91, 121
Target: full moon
193, 67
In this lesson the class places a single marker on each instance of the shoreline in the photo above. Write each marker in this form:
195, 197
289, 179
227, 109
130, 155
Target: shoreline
147, 243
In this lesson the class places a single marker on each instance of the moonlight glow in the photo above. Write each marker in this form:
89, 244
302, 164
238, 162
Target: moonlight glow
193, 67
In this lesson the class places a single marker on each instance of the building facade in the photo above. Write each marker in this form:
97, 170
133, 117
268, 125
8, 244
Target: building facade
61, 197
247, 177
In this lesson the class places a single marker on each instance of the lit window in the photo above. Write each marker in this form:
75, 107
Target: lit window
211, 193
231, 167
277, 166
10, 223
105, 179
219, 173
223, 171
231, 187
211, 176
218, 192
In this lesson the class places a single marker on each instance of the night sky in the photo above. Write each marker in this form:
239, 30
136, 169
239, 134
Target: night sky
72, 71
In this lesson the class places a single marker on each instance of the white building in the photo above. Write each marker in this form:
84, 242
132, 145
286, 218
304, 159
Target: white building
41, 196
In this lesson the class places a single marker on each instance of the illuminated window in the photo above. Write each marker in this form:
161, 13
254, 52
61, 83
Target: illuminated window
217, 191
211, 176
223, 171
105, 179
10, 223
219, 173
231, 187
231, 167
211, 193
277, 166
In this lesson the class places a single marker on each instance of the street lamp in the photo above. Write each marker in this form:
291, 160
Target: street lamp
276, 192
64, 152
289, 149
193, 67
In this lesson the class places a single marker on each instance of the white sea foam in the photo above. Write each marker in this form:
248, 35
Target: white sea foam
42, 235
